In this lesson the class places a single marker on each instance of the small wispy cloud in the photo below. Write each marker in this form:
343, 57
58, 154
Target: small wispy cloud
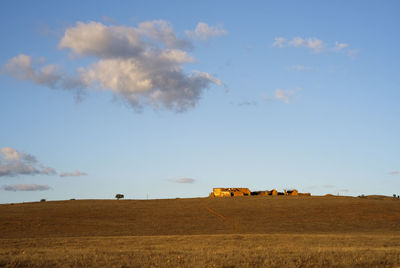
297, 42
316, 45
284, 95
247, 103
339, 46
183, 180
279, 94
203, 31
75, 173
279, 42
25, 187
394, 172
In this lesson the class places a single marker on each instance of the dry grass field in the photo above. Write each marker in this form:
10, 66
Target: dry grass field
260, 231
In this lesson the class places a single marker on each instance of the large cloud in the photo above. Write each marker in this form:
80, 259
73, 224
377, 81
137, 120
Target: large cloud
143, 64
14, 163
25, 187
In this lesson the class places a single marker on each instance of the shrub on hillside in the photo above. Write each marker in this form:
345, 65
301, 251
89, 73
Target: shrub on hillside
119, 196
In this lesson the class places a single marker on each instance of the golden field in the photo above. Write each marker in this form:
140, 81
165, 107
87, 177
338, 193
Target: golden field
260, 231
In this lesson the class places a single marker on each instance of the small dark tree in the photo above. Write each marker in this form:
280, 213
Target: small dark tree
119, 196
43, 200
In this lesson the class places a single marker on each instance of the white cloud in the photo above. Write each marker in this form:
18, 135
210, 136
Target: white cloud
279, 42
22, 68
297, 42
10, 154
14, 163
284, 95
155, 81
312, 43
339, 46
394, 172
183, 180
25, 187
203, 31
143, 65
76, 173
315, 44
97, 39
102, 41
162, 31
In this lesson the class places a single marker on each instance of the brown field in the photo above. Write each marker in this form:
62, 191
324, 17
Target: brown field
285, 231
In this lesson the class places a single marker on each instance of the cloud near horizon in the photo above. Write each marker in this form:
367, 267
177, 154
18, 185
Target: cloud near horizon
25, 187
143, 65
394, 172
183, 180
14, 163
76, 173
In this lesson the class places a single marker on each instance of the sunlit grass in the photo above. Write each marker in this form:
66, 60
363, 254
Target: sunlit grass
250, 250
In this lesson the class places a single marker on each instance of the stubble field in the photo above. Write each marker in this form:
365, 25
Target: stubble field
203, 232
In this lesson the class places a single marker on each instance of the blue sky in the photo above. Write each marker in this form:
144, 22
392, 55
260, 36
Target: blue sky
172, 98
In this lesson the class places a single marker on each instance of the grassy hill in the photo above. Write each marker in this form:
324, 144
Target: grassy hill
203, 232
258, 215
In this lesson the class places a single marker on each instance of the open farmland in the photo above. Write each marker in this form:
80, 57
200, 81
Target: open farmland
219, 232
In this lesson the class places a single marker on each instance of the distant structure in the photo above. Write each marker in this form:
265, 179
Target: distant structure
291, 192
228, 192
